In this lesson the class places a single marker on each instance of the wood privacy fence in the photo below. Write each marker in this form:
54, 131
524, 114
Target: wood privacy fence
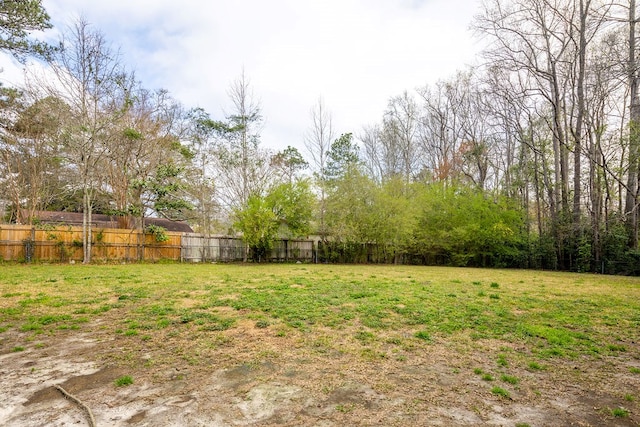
201, 247
64, 243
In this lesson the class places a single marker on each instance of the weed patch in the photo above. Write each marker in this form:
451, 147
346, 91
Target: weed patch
619, 412
502, 360
509, 379
487, 377
123, 381
499, 391
422, 335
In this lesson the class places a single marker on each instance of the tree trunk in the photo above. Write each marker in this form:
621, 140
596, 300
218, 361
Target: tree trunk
577, 155
631, 202
86, 224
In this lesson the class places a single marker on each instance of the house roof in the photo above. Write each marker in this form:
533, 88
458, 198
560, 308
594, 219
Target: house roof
169, 225
106, 221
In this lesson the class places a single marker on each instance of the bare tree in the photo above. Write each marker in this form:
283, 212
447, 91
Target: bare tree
536, 38
632, 190
319, 137
399, 136
440, 130
243, 168
374, 154
318, 142
88, 78
475, 121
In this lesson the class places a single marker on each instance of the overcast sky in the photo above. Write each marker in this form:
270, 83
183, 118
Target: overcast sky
355, 54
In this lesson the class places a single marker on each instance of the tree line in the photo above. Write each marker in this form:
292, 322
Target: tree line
529, 159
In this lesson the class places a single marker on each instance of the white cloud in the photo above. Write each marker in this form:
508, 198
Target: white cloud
356, 54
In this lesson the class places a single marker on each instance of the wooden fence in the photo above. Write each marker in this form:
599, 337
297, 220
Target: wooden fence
64, 244
294, 250
203, 248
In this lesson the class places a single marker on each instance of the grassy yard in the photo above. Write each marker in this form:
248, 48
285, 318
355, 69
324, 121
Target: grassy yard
508, 336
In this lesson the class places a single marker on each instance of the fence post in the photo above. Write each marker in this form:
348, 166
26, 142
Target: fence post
181, 248
140, 246
30, 246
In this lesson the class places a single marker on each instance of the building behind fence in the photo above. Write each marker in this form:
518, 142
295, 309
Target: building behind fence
64, 244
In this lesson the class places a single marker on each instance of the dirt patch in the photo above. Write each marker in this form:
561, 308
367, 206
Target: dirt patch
76, 384
137, 418
191, 299
250, 376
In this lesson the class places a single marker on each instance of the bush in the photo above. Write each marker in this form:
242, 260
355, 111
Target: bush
159, 233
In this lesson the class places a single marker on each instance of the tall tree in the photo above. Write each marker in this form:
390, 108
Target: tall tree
440, 133
289, 162
18, 19
342, 157
243, 168
319, 137
203, 135
391, 150
632, 189
317, 142
89, 78
535, 38
30, 157
142, 146
400, 134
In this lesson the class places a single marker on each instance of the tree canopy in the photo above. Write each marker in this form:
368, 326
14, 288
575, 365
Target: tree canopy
18, 19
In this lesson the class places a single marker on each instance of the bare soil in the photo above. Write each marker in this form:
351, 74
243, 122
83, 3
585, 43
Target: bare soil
250, 376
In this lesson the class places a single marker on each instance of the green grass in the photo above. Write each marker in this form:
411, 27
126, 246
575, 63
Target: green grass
345, 408
545, 313
499, 391
509, 379
502, 360
262, 324
619, 412
123, 381
423, 335
535, 366
487, 377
